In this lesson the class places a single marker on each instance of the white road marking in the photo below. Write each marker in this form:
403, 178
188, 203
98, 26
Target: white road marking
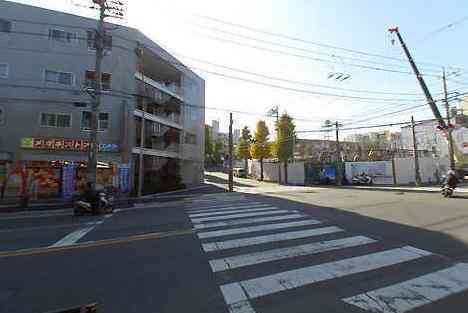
227, 207
74, 236
244, 242
249, 221
410, 294
236, 231
240, 215
232, 211
218, 199
236, 299
289, 252
262, 286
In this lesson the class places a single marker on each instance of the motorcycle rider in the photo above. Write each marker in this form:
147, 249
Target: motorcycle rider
451, 179
90, 197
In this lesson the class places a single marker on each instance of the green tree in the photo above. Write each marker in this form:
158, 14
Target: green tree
208, 145
260, 149
216, 156
243, 148
284, 145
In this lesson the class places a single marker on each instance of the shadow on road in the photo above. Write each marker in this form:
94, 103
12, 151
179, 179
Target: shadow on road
219, 180
436, 242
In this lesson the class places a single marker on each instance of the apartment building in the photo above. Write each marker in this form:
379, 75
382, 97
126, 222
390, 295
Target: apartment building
151, 114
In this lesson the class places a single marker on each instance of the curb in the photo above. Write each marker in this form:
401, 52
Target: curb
392, 189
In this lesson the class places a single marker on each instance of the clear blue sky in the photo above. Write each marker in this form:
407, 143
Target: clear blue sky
360, 25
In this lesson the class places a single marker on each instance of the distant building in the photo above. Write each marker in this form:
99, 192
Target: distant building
429, 138
236, 136
214, 129
317, 150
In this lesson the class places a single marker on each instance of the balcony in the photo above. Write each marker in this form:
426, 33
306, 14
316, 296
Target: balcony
169, 88
156, 103
159, 139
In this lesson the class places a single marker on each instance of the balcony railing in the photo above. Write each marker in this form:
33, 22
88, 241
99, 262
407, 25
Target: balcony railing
169, 88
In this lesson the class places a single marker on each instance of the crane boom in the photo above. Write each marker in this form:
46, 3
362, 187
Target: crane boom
421, 81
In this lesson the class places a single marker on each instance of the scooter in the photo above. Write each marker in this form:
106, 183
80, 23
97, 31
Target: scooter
104, 205
362, 179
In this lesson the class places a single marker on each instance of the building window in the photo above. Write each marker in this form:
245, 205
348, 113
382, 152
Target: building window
62, 36
2, 116
103, 121
61, 78
90, 80
5, 26
190, 139
3, 70
92, 41
55, 120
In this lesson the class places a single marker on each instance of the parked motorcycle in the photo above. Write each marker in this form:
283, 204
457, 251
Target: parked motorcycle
362, 179
104, 204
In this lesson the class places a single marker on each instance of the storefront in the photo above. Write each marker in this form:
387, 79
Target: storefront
56, 168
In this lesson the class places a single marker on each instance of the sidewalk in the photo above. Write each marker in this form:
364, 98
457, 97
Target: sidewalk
463, 188
124, 202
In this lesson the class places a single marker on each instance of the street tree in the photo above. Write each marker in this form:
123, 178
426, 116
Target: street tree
260, 148
216, 156
284, 145
243, 148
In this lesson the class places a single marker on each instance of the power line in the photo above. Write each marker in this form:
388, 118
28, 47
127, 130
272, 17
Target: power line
391, 113
303, 90
302, 56
296, 81
301, 49
313, 42
445, 27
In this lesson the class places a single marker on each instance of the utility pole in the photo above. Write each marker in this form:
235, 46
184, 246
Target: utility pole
106, 8
338, 154
415, 152
275, 113
231, 178
93, 140
141, 170
449, 128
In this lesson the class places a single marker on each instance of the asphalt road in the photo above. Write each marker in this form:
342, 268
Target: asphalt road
264, 249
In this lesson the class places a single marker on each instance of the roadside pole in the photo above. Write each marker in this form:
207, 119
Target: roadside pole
141, 171
338, 154
415, 153
393, 168
231, 179
93, 140
449, 129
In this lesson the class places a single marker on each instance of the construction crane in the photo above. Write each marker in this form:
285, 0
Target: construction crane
422, 83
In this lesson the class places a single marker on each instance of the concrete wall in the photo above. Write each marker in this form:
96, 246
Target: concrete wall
296, 173
431, 170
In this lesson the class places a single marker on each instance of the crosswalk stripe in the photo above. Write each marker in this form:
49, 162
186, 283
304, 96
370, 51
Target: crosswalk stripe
237, 261
248, 221
232, 211
218, 199
227, 207
239, 215
236, 231
262, 286
410, 294
244, 242
236, 299
216, 203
